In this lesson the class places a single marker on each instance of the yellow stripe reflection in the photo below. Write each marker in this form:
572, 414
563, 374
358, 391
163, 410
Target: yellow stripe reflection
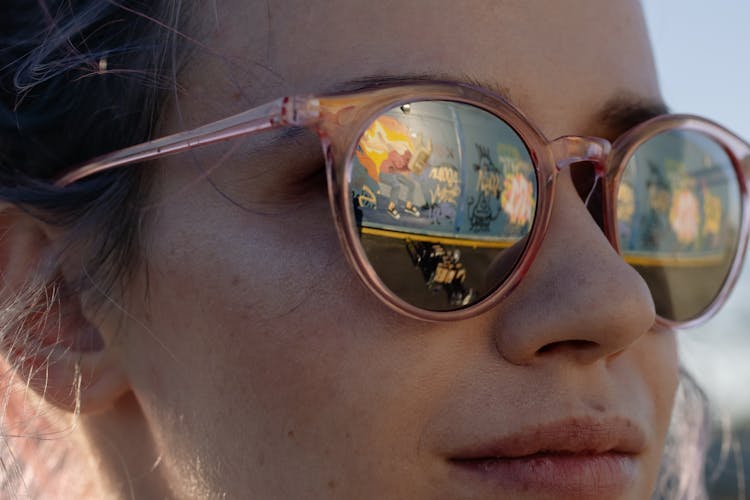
674, 260
652, 260
464, 242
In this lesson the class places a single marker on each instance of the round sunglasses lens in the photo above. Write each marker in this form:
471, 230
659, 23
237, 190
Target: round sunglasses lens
444, 195
678, 217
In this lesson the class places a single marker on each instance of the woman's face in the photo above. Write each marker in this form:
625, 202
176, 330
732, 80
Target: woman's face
261, 364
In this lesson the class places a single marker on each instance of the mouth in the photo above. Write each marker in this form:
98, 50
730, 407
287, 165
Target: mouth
577, 458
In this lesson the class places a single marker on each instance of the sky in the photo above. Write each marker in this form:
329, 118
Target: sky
702, 51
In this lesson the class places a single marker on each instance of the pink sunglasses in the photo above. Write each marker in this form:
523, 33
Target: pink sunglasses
442, 193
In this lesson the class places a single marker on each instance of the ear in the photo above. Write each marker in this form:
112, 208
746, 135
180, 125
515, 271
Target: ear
45, 335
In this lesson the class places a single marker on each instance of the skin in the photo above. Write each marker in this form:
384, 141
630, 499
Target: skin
258, 364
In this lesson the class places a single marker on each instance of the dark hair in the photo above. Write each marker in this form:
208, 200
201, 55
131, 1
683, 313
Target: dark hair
78, 79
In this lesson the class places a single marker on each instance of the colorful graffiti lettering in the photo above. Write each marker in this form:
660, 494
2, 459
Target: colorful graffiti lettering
508, 157
518, 199
365, 198
447, 188
683, 216
445, 173
625, 203
484, 208
445, 194
711, 213
488, 182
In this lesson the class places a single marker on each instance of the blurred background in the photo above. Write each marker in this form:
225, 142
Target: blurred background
702, 54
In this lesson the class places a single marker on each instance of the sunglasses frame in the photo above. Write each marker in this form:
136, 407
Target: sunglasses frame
340, 120
738, 152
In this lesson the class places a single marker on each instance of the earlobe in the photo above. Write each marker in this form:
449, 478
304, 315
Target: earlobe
54, 349
74, 381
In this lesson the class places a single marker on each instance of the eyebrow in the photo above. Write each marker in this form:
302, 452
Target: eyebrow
371, 82
626, 110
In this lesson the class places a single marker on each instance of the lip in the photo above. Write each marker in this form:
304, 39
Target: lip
578, 457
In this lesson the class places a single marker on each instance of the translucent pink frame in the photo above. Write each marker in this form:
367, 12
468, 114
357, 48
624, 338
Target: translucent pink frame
339, 120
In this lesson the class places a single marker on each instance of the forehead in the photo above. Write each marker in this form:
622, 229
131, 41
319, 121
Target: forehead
550, 57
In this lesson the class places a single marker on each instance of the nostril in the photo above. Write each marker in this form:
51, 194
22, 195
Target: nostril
567, 345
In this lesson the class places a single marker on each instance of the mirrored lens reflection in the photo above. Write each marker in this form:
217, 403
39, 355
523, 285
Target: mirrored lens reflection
441, 191
678, 213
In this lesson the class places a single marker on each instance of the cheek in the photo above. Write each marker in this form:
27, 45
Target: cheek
259, 260
659, 366
654, 376
259, 328
227, 280
656, 379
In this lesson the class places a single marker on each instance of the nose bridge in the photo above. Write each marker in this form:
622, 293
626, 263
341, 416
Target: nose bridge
570, 149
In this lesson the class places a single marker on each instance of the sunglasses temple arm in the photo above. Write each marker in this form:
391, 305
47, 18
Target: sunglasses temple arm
287, 111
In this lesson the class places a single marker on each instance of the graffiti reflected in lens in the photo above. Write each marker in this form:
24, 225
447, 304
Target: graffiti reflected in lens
440, 192
678, 216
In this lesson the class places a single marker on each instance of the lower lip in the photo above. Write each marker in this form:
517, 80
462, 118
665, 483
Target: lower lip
603, 475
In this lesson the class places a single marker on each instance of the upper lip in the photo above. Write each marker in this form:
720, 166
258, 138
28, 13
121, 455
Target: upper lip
580, 435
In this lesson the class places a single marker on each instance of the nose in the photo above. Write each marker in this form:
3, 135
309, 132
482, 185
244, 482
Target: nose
579, 298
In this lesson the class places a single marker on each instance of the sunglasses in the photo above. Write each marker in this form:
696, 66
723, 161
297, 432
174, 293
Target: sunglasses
442, 193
